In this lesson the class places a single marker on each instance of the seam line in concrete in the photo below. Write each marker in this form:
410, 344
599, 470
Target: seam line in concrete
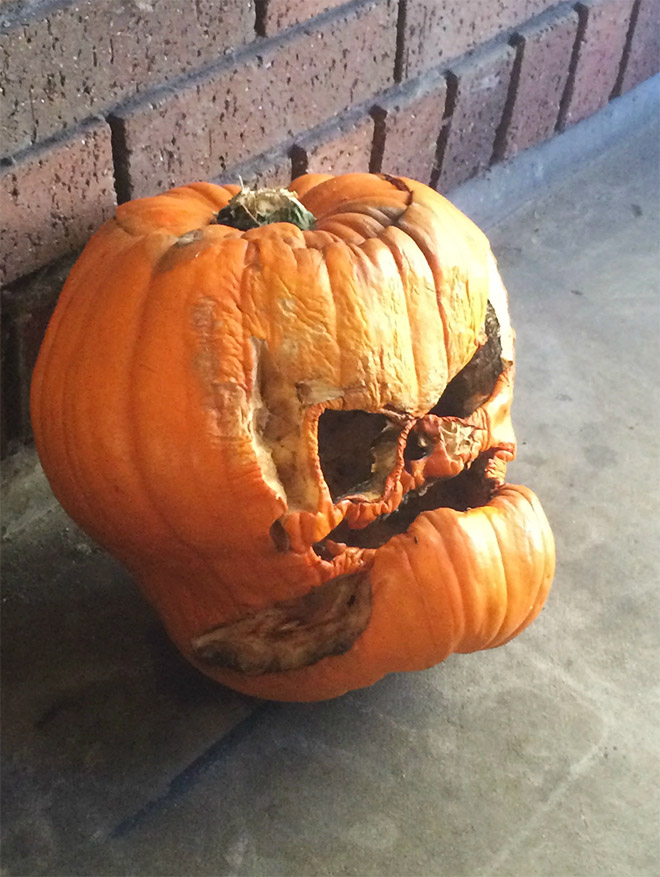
184, 781
575, 771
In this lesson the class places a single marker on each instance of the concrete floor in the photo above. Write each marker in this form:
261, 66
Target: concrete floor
539, 758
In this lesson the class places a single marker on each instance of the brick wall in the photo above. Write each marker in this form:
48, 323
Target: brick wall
107, 100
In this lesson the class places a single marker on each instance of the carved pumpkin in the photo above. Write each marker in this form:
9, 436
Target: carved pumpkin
290, 420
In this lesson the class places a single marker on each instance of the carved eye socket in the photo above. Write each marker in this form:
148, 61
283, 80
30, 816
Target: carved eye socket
357, 450
476, 381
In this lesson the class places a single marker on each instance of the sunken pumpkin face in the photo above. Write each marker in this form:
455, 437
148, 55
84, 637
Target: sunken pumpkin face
291, 420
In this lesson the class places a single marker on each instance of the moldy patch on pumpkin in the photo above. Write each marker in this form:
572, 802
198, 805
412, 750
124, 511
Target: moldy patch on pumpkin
292, 633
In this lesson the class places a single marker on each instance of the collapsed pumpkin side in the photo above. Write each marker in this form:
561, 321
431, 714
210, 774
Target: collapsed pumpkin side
178, 403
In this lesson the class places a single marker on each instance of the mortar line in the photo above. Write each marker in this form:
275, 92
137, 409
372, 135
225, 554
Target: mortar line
399, 56
627, 49
569, 88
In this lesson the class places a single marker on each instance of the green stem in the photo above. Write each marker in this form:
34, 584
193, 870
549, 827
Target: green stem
254, 208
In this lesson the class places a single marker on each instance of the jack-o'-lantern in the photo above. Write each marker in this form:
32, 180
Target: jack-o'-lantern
290, 418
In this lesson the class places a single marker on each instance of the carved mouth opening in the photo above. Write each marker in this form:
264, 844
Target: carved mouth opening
295, 633
467, 490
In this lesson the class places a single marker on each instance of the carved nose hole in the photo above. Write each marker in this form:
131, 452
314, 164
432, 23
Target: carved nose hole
349, 443
417, 447
279, 536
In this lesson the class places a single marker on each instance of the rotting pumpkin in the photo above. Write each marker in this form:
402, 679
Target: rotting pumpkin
290, 418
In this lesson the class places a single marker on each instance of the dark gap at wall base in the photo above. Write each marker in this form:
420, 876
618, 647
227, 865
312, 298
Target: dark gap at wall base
260, 10
298, 161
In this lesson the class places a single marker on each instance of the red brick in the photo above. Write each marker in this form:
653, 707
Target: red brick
246, 108
83, 57
273, 169
643, 60
411, 119
546, 49
340, 149
53, 198
280, 14
604, 25
480, 86
437, 31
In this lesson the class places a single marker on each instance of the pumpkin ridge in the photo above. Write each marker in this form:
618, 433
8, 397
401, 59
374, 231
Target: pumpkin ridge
132, 429
508, 580
535, 580
459, 532
74, 406
537, 521
403, 225
170, 511
405, 291
449, 583
67, 403
396, 618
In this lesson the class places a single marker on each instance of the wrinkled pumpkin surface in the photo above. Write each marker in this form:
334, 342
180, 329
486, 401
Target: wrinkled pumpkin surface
296, 438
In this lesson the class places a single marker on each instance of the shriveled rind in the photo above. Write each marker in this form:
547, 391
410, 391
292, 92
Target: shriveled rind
454, 582
147, 409
177, 211
177, 394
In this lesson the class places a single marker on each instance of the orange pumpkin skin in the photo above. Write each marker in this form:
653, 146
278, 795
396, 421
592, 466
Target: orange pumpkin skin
176, 405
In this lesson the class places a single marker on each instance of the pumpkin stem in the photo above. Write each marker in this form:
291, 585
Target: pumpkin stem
252, 208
